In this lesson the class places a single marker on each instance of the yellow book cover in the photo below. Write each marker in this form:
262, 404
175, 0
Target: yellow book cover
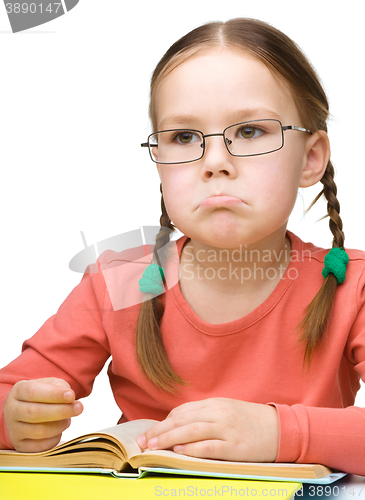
14, 486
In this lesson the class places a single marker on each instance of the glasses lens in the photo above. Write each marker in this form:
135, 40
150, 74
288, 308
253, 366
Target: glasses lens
176, 146
254, 138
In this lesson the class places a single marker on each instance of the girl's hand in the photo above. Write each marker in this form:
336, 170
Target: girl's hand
38, 411
218, 428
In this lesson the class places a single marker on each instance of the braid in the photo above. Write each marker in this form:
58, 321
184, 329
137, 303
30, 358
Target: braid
163, 236
150, 351
333, 206
317, 313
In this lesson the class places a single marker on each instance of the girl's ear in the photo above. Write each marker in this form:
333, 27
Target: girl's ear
317, 155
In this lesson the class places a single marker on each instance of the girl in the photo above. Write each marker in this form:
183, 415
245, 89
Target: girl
257, 352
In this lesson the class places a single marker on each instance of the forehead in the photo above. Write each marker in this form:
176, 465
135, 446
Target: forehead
222, 82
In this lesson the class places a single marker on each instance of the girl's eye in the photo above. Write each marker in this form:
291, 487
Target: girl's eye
249, 132
185, 137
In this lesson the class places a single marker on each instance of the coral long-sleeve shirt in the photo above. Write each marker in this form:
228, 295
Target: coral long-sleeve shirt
255, 358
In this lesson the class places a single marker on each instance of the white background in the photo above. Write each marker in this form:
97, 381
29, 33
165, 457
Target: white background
73, 101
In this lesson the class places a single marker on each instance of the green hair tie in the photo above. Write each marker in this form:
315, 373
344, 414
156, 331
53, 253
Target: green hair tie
335, 262
151, 281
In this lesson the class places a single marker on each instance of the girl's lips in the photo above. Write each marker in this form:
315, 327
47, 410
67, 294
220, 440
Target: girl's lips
220, 201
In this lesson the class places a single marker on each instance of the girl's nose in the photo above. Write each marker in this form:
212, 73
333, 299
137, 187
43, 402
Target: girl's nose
217, 160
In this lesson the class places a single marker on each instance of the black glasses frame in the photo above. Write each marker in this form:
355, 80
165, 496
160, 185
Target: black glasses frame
225, 139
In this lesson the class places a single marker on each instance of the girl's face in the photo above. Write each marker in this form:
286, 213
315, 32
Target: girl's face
209, 92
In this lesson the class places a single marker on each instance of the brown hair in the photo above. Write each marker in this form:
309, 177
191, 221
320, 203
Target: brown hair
284, 58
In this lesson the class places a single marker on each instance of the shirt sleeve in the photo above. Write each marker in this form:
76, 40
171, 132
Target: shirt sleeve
334, 437
71, 345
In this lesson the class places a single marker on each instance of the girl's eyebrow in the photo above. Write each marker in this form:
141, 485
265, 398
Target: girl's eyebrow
243, 115
237, 116
178, 120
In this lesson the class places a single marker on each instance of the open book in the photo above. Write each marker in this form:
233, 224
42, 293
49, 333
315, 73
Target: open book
116, 449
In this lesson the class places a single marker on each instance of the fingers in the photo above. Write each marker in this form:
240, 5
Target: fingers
44, 431
194, 411
212, 448
43, 391
38, 411
41, 412
43, 436
36, 446
44, 400
189, 433
184, 427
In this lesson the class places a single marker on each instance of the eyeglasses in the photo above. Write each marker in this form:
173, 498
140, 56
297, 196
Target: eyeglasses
252, 138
